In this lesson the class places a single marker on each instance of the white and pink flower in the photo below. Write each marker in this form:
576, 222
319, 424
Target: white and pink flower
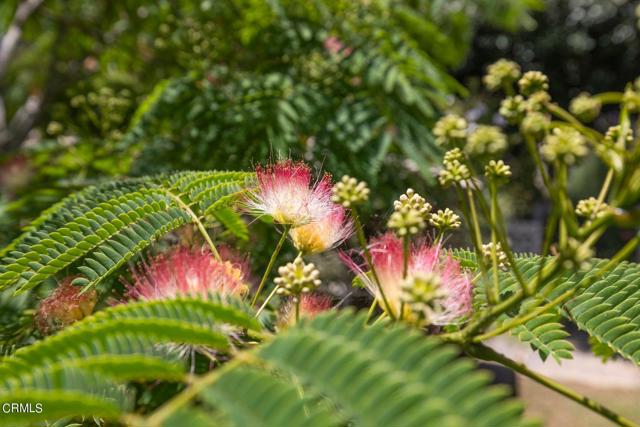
387, 258
323, 234
285, 192
185, 272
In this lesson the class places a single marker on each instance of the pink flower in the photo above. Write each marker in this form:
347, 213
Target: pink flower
387, 258
286, 193
64, 306
185, 272
334, 46
324, 234
239, 261
311, 305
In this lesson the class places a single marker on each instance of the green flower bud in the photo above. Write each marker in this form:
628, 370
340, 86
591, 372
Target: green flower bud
349, 192
501, 256
591, 208
631, 99
612, 148
585, 107
535, 125
296, 278
450, 130
454, 172
453, 154
532, 82
486, 140
500, 74
537, 101
406, 221
497, 171
445, 220
423, 294
513, 109
413, 200
576, 256
564, 145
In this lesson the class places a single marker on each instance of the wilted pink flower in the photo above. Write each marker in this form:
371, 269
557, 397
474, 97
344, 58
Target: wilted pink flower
239, 261
387, 258
184, 272
286, 193
324, 234
64, 306
311, 305
334, 46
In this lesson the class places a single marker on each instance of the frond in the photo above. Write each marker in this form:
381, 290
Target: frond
99, 229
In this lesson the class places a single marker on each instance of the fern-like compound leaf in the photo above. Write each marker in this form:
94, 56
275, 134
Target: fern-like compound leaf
96, 231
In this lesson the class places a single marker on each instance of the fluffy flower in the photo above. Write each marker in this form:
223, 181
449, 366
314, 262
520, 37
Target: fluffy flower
424, 260
182, 272
239, 261
324, 234
64, 306
286, 193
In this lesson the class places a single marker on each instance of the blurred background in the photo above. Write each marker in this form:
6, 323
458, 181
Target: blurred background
95, 90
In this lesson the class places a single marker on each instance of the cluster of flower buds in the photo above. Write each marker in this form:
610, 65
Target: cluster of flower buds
501, 256
486, 140
613, 147
500, 74
444, 220
528, 108
423, 293
532, 82
513, 109
591, 208
411, 212
349, 192
564, 145
535, 124
451, 131
497, 171
297, 278
454, 170
575, 255
585, 107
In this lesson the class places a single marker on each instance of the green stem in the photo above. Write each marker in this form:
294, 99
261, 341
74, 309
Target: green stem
628, 248
198, 223
563, 114
297, 310
272, 262
405, 256
372, 309
472, 220
609, 97
495, 288
483, 352
362, 240
266, 302
502, 236
186, 396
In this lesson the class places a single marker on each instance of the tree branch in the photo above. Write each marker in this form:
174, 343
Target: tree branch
10, 39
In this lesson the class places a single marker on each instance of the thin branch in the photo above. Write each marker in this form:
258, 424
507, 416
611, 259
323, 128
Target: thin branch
10, 39
485, 353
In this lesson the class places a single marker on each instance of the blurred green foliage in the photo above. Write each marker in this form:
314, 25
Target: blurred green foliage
129, 88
